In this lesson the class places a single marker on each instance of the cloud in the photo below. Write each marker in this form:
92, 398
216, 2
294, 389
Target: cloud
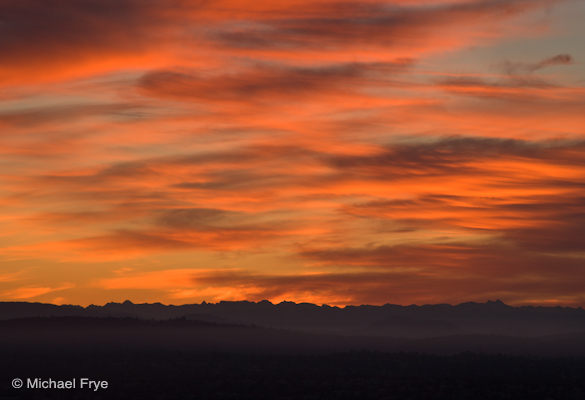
375, 25
269, 81
83, 38
274, 200
446, 156
515, 68
560, 228
66, 113
478, 278
194, 217
9, 277
463, 270
31, 292
76, 32
519, 85
293, 148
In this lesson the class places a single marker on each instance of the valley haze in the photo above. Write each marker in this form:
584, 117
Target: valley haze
491, 327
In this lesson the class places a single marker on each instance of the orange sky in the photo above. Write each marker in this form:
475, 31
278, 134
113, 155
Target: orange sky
405, 151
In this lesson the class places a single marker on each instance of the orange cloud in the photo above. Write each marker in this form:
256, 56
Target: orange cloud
31, 292
407, 151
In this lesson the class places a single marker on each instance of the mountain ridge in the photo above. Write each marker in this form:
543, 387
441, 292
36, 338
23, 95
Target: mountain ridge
389, 320
497, 302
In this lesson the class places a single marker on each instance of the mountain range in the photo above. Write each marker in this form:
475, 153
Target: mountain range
492, 318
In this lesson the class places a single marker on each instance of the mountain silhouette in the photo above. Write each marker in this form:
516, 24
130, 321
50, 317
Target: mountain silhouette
267, 351
491, 327
489, 318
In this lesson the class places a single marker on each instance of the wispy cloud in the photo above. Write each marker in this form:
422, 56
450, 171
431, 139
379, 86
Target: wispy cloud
341, 152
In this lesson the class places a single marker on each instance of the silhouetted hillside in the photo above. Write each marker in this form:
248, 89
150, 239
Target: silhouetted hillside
178, 375
490, 318
183, 358
108, 333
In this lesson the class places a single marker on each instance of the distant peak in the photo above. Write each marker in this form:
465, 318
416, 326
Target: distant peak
127, 303
497, 302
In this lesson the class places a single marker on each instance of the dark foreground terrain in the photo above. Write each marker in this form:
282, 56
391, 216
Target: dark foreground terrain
155, 374
247, 350
188, 359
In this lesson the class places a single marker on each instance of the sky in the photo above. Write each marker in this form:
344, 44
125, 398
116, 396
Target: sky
327, 151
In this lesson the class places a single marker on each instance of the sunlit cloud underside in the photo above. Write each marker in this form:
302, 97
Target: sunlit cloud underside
314, 151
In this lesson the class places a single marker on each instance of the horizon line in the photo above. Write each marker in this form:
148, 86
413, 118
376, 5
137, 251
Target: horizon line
324, 305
